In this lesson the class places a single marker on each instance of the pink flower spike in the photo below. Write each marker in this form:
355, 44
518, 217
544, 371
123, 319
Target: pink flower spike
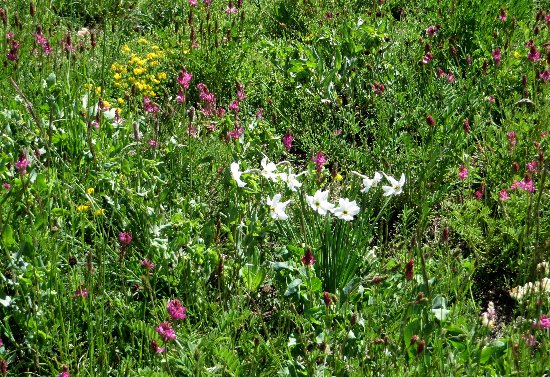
503, 195
542, 323
496, 56
147, 264
534, 54
81, 293
532, 166
426, 59
184, 78
166, 331
193, 3
462, 172
287, 140
176, 310
125, 238
155, 347
180, 97
64, 372
512, 138
502, 16
21, 165
320, 159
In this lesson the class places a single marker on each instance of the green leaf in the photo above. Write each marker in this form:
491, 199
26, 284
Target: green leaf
7, 236
493, 349
293, 287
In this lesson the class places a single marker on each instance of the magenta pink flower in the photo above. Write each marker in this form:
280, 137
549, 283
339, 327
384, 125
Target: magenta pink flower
503, 195
502, 16
235, 133
191, 131
542, 323
526, 184
462, 172
81, 293
451, 77
147, 264
231, 9
155, 347
21, 165
467, 125
153, 143
180, 97
430, 120
176, 309
432, 30
320, 159
193, 3
532, 166
427, 58
440, 73
64, 372
42, 41
150, 106
234, 106
6, 185
480, 193
544, 76
287, 140
512, 139
240, 91
125, 238
308, 259
534, 54
166, 331
491, 99
184, 78
260, 113
496, 56
208, 100
337, 132
409, 269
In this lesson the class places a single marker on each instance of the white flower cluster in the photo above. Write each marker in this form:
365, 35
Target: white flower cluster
346, 209
539, 287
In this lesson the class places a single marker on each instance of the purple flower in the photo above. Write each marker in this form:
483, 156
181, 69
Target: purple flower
480, 193
150, 106
166, 331
326, 298
42, 41
320, 159
155, 346
544, 76
543, 323
378, 88
234, 106
491, 99
450, 77
496, 56
503, 195
176, 310
180, 97
231, 9
287, 140
125, 238
153, 143
525, 184
440, 73
235, 133
512, 139
147, 264
409, 269
432, 30
184, 78
81, 292
240, 91
532, 166
462, 172
467, 125
430, 120
193, 3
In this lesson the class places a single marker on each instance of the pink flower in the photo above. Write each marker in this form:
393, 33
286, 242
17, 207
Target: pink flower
81, 292
532, 166
147, 264
211, 127
491, 99
64, 372
180, 97
503, 195
155, 346
125, 238
231, 9
450, 77
6, 185
235, 133
543, 323
534, 54
480, 193
512, 139
337, 132
240, 91
320, 159
326, 298
193, 3
525, 184
221, 112
184, 78
191, 131
150, 106
176, 310
153, 143
440, 73
502, 16
41, 40
21, 165
234, 106
544, 76
427, 58
287, 140
432, 30
166, 331
496, 56
462, 172
467, 125
260, 113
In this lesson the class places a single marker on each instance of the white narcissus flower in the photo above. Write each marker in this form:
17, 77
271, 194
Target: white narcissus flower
369, 183
290, 180
346, 209
236, 174
269, 169
395, 187
277, 208
319, 202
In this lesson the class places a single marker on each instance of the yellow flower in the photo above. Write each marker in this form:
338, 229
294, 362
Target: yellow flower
162, 76
107, 104
90, 191
98, 90
142, 41
83, 207
120, 100
151, 56
88, 86
99, 212
155, 47
152, 94
138, 71
155, 81
126, 49
117, 76
338, 177
517, 55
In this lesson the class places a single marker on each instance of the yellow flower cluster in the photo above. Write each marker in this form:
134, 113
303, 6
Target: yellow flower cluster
142, 69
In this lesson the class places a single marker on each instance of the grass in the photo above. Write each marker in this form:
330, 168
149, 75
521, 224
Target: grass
119, 194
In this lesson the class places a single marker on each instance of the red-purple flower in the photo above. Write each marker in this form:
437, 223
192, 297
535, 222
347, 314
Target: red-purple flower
430, 120
544, 76
166, 331
6, 185
176, 309
150, 106
235, 133
4, 368
21, 165
64, 372
81, 293
153, 143
532, 166
184, 78
432, 30
320, 159
503, 195
308, 259
234, 106
534, 54
378, 88
502, 16
478, 195
125, 238
512, 139
409, 269
147, 264
326, 298
496, 56
427, 58
543, 323
287, 140
525, 184
155, 347
193, 3
467, 125
180, 97
240, 91
462, 172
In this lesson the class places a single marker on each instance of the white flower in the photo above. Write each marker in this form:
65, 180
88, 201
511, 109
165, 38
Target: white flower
370, 183
269, 169
346, 209
277, 208
236, 174
319, 202
290, 180
395, 187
